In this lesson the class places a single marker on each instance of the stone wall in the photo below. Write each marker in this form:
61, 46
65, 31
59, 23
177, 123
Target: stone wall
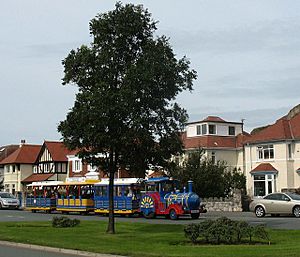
233, 203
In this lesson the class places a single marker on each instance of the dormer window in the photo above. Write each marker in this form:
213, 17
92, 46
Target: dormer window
231, 131
212, 129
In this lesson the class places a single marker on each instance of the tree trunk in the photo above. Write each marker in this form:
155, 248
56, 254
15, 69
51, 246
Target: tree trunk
111, 219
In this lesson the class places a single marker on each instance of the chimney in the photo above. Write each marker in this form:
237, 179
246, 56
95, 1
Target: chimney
23, 141
190, 186
293, 112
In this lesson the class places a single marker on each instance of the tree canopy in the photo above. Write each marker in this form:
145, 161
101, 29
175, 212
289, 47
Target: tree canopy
127, 80
210, 179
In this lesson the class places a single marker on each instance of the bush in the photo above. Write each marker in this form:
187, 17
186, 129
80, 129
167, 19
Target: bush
192, 232
224, 230
64, 222
210, 179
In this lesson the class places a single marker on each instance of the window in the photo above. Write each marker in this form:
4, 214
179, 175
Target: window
201, 129
198, 129
35, 169
13, 191
204, 129
264, 184
290, 151
46, 167
212, 129
277, 197
231, 130
101, 191
77, 165
265, 152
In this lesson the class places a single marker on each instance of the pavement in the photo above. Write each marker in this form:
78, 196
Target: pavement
56, 250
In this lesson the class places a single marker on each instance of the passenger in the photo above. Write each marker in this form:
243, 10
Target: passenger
129, 194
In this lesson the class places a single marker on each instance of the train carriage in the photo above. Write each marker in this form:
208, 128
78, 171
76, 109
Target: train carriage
76, 196
41, 196
126, 196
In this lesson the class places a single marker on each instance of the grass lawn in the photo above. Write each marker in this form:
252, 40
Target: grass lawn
135, 239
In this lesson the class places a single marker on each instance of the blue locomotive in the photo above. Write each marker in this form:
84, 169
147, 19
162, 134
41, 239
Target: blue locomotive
163, 198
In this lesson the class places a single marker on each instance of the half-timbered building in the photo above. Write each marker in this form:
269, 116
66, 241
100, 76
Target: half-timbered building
51, 164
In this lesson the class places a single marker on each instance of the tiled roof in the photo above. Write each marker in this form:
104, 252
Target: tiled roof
25, 154
264, 167
58, 151
287, 127
295, 126
214, 119
37, 177
214, 141
278, 131
7, 150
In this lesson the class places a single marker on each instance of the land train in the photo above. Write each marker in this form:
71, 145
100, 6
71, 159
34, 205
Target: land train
147, 197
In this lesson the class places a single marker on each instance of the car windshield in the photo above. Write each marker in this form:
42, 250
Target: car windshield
294, 196
6, 195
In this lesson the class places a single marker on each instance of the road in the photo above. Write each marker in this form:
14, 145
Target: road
287, 222
13, 251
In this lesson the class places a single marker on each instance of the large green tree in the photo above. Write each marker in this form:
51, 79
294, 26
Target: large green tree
210, 179
125, 114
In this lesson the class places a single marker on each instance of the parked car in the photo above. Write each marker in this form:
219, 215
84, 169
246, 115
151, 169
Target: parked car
8, 201
276, 204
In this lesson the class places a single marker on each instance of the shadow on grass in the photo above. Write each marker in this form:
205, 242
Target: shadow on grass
203, 242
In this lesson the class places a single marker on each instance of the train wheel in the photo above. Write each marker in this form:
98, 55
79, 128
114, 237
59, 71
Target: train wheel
173, 214
195, 216
150, 215
33, 211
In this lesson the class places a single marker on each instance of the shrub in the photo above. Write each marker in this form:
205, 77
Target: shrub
64, 222
191, 231
240, 228
224, 230
260, 232
204, 229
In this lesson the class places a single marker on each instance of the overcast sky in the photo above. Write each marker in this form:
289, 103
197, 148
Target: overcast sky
246, 53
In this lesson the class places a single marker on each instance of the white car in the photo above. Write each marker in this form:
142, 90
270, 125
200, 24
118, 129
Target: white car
276, 204
8, 201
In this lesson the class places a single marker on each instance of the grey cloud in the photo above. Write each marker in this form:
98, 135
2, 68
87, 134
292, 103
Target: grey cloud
238, 88
269, 36
49, 50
